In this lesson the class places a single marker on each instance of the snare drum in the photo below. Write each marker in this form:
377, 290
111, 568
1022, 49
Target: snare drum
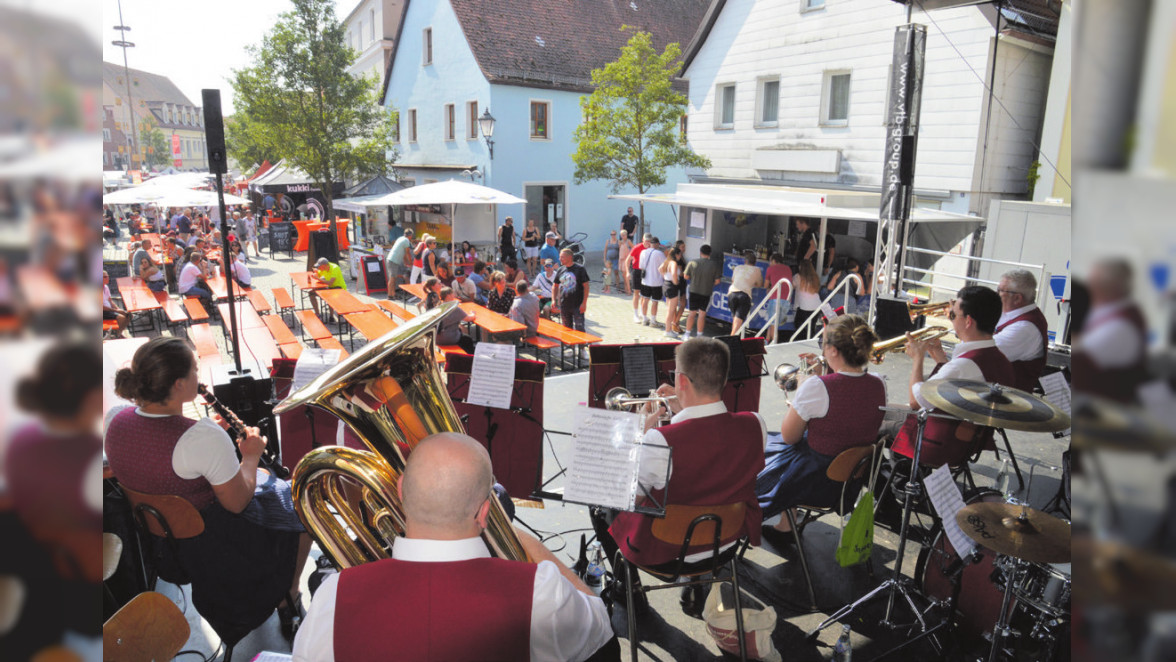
1044, 587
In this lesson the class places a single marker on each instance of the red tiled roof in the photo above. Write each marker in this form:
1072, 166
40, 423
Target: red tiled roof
557, 43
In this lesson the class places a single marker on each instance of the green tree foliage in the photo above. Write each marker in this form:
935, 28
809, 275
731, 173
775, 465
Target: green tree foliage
153, 144
297, 102
629, 133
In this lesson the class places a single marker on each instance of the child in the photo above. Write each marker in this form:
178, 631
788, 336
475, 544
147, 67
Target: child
607, 275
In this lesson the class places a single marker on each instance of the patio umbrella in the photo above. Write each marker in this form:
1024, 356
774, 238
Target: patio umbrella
451, 192
168, 196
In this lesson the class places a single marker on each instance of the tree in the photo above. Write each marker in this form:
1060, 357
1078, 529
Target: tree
629, 133
297, 102
153, 143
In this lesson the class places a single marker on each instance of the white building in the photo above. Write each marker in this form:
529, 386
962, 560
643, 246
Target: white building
372, 29
793, 93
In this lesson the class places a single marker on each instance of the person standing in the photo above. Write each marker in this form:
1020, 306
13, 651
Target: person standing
507, 239
183, 224
531, 241
675, 288
652, 281
1110, 355
806, 247
612, 252
634, 269
429, 258
399, 261
249, 234
808, 297
417, 264
702, 276
623, 271
570, 292
1022, 333
744, 279
777, 271
629, 222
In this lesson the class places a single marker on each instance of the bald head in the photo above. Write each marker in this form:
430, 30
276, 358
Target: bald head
446, 481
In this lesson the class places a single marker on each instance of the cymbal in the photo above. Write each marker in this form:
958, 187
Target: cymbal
1110, 572
1101, 424
1017, 531
995, 405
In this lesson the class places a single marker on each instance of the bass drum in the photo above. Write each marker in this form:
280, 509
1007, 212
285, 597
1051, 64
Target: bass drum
978, 608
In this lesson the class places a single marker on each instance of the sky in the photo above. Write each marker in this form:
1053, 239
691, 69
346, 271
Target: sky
195, 44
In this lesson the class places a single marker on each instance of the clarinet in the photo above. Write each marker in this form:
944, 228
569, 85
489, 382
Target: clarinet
268, 457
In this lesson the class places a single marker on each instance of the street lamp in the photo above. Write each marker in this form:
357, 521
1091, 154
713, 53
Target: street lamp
486, 125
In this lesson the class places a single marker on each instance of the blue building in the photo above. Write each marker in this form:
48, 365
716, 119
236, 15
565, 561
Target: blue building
528, 62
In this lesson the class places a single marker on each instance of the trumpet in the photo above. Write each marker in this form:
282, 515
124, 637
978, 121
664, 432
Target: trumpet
898, 343
928, 308
619, 398
788, 375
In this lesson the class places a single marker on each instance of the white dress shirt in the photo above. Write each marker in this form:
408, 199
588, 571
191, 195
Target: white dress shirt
565, 623
956, 368
1111, 343
1020, 341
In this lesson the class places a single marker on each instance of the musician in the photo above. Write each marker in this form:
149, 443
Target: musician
716, 457
1110, 355
153, 448
1022, 333
441, 596
833, 411
974, 314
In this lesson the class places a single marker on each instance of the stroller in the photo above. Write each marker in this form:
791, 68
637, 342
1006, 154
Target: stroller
576, 244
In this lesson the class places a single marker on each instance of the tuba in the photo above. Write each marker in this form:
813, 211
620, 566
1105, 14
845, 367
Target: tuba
392, 395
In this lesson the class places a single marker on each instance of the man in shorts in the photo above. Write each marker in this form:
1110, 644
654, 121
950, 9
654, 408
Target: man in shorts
703, 275
651, 283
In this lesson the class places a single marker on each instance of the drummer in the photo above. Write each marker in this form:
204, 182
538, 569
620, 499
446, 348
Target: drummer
973, 315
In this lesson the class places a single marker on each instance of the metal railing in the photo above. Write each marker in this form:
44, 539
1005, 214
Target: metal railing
770, 296
1039, 270
843, 285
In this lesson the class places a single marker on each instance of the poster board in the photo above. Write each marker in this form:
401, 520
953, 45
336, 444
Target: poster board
374, 278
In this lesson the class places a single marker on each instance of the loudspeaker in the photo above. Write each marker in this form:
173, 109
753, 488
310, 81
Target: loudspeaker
214, 132
891, 317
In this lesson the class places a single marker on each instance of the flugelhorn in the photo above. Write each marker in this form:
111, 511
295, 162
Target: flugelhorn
916, 309
392, 395
788, 375
898, 343
619, 398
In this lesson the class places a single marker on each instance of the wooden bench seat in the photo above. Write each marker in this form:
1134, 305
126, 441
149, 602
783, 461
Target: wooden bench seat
259, 303
544, 345
291, 350
195, 309
278, 329
565, 335
282, 299
172, 309
332, 343
370, 324
312, 326
204, 340
257, 343
395, 309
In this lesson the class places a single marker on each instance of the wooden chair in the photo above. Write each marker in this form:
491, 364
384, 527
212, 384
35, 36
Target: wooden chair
850, 464
149, 627
680, 526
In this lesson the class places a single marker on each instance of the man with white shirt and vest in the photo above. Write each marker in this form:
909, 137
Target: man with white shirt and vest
1022, 333
1110, 357
441, 596
716, 458
973, 315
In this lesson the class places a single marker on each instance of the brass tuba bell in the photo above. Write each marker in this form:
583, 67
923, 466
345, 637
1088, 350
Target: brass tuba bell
391, 393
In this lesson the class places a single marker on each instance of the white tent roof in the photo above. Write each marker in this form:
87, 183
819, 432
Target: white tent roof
784, 201
171, 196
450, 192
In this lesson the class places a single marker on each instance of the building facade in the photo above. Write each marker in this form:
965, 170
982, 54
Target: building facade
371, 31
157, 100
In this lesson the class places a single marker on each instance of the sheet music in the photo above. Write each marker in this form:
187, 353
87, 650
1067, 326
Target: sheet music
312, 363
603, 470
945, 496
1159, 401
492, 375
1057, 392
640, 367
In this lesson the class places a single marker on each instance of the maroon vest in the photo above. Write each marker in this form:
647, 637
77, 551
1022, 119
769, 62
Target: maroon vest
715, 462
1027, 372
140, 448
854, 416
941, 443
1120, 384
479, 609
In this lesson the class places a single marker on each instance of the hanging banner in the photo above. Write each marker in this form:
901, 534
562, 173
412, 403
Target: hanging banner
902, 120
175, 145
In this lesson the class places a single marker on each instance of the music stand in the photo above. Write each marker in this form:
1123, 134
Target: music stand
639, 369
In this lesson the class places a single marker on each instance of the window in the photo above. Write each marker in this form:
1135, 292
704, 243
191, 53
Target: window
682, 129
412, 131
350, 40
540, 120
106, 135
427, 47
450, 120
767, 101
809, 5
835, 99
472, 130
372, 23
725, 106
359, 33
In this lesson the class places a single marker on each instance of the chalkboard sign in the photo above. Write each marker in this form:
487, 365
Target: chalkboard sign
281, 238
374, 279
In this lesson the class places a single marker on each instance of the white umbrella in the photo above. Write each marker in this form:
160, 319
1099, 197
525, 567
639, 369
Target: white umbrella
181, 180
451, 192
168, 196
70, 160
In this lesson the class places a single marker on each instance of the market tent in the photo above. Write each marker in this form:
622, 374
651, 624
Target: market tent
450, 192
373, 188
261, 170
289, 180
68, 160
168, 196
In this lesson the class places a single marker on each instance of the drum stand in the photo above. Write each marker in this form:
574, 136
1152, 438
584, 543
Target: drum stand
898, 583
1002, 630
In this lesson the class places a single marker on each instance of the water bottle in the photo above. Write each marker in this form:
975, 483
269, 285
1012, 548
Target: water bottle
843, 650
594, 574
1001, 482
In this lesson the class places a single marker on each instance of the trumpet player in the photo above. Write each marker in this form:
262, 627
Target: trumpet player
973, 316
716, 456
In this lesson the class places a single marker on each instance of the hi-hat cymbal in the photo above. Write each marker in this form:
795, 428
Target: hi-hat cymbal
1111, 572
1101, 424
1018, 531
994, 405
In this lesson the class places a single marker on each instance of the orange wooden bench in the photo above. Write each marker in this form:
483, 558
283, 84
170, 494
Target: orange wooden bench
312, 326
10, 324
172, 309
371, 324
542, 344
331, 343
395, 309
195, 309
259, 303
291, 350
108, 326
567, 338
201, 335
278, 329
283, 300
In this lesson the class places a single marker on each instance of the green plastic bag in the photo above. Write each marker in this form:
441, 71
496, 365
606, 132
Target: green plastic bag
857, 536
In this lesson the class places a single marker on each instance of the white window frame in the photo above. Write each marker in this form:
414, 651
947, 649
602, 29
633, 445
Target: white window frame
811, 5
372, 22
351, 39
427, 46
546, 137
412, 125
719, 88
472, 116
359, 33
449, 122
106, 135
827, 89
760, 98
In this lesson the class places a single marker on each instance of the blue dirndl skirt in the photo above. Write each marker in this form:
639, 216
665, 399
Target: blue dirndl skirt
272, 506
794, 475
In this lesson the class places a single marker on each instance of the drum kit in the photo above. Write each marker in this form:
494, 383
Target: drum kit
1019, 568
